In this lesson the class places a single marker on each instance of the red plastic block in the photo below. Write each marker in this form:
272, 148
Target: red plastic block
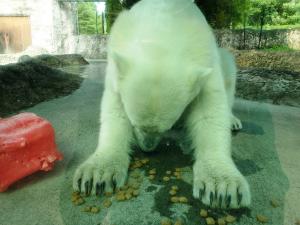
27, 145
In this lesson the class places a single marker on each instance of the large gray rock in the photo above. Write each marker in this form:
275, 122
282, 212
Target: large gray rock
273, 86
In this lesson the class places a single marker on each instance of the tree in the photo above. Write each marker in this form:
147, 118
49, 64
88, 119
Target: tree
87, 17
113, 8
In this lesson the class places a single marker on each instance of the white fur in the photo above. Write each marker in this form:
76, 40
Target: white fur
164, 65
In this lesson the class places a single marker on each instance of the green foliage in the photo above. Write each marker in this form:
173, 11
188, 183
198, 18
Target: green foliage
87, 18
113, 8
279, 48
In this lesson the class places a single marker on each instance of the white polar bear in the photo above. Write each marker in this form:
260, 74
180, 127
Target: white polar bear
164, 65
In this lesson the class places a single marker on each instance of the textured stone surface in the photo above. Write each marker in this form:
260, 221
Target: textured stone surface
272, 86
235, 38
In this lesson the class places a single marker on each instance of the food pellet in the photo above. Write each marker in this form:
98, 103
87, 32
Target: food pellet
166, 178
168, 172
152, 172
230, 219
261, 218
166, 221
135, 192
172, 192
75, 198
135, 185
107, 203
274, 203
95, 209
151, 177
130, 191
183, 199
108, 194
174, 187
174, 199
87, 209
145, 161
203, 213
210, 221
120, 197
79, 201
128, 196
221, 221
178, 222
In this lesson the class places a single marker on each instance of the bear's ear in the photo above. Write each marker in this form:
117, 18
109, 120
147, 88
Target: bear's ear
198, 75
121, 63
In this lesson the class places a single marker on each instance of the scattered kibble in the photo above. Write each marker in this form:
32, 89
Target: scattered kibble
95, 209
107, 203
183, 199
203, 213
210, 221
87, 209
152, 172
120, 197
79, 201
274, 203
172, 192
135, 192
151, 177
166, 221
174, 199
230, 219
128, 196
174, 187
178, 222
166, 178
145, 161
262, 218
108, 194
221, 221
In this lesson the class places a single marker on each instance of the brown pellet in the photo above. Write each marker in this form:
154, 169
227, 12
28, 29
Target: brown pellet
183, 199
175, 188
152, 172
274, 203
203, 213
79, 201
261, 218
172, 192
107, 203
221, 221
95, 209
210, 221
151, 177
166, 221
166, 178
135, 192
120, 197
230, 219
174, 199
178, 222
87, 209
108, 194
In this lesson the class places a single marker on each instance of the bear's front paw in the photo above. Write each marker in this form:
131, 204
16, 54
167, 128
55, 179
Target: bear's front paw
101, 172
220, 184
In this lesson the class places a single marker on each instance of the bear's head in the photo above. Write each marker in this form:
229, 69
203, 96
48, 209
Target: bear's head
155, 91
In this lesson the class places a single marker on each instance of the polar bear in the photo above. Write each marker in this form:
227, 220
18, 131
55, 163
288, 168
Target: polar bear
164, 66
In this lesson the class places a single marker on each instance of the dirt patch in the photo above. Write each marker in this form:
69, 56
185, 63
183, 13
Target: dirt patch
28, 83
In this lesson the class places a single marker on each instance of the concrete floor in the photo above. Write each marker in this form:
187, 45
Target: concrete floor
266, 151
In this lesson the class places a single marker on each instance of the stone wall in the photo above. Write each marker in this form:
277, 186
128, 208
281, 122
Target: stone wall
235, 38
